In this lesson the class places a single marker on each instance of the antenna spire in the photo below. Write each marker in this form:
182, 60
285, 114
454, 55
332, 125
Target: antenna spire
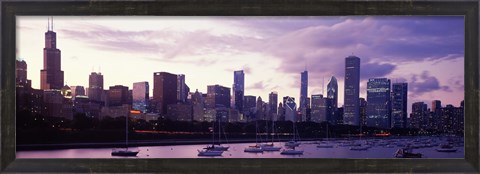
52, 23
48, 24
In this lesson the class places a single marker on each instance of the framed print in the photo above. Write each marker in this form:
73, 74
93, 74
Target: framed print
216, 86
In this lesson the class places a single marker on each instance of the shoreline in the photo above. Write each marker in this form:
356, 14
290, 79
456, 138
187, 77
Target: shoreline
60, 146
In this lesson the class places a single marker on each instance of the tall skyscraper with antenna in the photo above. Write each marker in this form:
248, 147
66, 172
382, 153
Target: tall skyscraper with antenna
51, 76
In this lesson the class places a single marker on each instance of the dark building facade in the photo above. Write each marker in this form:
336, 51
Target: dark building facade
118, 95
217, 96
351, 109
249, 106
238, 90
399, 105
164, 91
378, 106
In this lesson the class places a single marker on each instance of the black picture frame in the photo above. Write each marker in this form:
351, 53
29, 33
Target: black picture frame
468, 8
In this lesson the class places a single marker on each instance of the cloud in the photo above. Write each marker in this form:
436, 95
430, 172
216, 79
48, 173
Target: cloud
258, 85
372, 70
425, 83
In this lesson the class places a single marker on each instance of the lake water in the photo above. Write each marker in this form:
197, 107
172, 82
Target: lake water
311, 150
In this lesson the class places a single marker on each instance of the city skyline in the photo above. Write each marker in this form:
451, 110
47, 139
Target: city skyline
424, 84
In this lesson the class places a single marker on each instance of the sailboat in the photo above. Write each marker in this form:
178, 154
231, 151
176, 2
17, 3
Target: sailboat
122, 151
292, 144
218, 146
211, 150
255, 148
325, 144
270, 146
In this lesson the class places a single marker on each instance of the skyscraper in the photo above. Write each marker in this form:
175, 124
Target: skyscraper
332, 91
164, 91
316, 108
351, 109
238, 90
260, 110
399, 105
378, 106
118, 95
272, 104
217, 96
418, 115
303, 93
77, 90
51, 76
181, 88
95, 86
21, 75
249, 106
290, 108
140, 96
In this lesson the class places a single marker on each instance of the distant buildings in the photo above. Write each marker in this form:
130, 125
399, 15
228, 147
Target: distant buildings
249, 106
351, 111
418, 116
378, 106
77, 90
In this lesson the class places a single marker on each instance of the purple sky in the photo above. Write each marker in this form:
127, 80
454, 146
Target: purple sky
425, 51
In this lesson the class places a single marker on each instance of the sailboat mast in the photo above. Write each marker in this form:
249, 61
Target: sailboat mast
126, 131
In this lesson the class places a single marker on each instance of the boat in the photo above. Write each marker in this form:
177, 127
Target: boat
216, 146
124, 151
207, 152
270, 147
255, 148
291, 151
446, 148
407, 153
293, 143
324, 144
362, 147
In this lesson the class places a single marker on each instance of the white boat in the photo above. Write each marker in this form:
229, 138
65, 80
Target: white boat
291, 151
125, 151
446, 148
270, 147
209, 153
292, 143
325, 145
406, 153
363, 147
254, 149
